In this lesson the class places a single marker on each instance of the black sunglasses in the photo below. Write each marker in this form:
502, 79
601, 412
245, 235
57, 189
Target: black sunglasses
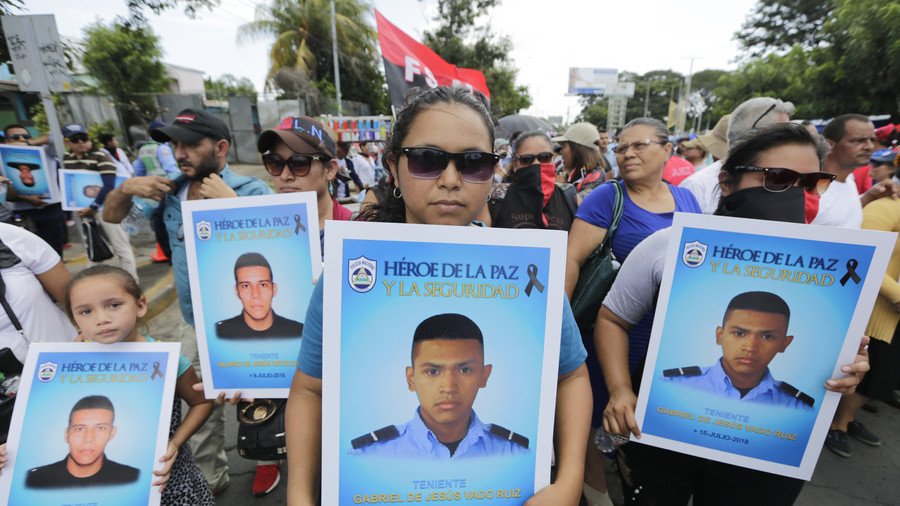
78, 138
778, 179
429, 163
20, 137
299, 165
544, 157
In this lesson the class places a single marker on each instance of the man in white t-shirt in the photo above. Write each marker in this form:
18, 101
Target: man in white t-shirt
852, 141
751, 114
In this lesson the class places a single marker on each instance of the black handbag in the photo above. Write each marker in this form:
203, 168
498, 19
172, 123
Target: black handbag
9, 366
95, 245
599, 270
261, 429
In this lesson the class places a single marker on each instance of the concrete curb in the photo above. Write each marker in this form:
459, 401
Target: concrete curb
160, 295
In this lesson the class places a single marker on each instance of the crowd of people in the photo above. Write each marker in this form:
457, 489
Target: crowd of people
439, 167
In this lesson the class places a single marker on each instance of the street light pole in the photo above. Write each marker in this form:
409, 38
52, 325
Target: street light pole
334, 51
647, 100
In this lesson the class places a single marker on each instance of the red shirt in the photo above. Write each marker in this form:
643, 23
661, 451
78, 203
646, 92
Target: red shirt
863, 179
339, 212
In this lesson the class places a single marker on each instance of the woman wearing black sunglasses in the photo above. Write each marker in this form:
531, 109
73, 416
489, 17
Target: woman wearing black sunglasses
529, 198
765, 176
438, 126
649, 205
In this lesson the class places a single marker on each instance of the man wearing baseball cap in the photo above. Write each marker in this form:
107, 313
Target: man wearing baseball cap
81, 155
200, 142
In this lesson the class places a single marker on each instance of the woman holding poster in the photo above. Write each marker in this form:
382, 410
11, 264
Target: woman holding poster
765, 177
438, 126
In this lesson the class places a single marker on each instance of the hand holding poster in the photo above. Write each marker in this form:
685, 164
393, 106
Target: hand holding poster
98, 421
30, 173
79, 188
252, 263
441, 364
753, 317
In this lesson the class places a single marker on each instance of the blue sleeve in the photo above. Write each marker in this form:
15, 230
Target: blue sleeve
139, 169
310, 359
109, 184
571, 350
685, 201
167, 160
183, 364
597, 208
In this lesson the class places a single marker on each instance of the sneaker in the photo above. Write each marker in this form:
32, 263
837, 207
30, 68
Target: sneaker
266, 479
836, 441
859, 431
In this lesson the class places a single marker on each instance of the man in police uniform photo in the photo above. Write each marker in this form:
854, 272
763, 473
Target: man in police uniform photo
91, 427
255, 287
26, 171
447, 370
754, 330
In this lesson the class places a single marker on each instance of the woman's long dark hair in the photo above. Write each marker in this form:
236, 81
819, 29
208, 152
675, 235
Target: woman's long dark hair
392, 209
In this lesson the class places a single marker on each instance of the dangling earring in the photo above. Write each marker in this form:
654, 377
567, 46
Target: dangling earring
397, 193
331, 187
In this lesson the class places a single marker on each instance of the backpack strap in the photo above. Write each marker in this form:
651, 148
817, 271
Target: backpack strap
571, 194
618, 209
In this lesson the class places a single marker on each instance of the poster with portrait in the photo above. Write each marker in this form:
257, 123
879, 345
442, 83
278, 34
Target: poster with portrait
79, 188
90, 424
30, 172
753, 317
441, 362
253, 262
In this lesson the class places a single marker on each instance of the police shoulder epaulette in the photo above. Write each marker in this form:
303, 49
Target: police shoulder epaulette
797, 394
382, 434
509, 435
682, 371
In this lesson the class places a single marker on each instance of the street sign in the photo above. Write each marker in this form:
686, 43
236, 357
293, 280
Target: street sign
620, 89
616, 112
36, 53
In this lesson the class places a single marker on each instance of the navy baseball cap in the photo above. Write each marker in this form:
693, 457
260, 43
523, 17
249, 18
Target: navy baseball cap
886, 155
192, 125
73, 129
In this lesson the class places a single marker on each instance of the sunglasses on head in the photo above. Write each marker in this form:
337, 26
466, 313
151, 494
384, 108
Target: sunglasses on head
299, 165
778, 179
545, 157
78, 138
20, 137
429, 163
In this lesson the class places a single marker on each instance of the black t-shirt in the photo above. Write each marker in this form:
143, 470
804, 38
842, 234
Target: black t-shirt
237, 328
57, 476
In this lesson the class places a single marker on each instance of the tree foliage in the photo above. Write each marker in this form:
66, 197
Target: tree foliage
778, 25
301, 30
124, 59
857, 70
138, 9
228, 86
459, 40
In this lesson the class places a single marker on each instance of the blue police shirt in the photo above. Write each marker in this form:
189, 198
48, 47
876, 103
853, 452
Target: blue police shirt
242, 185
417, 441
571, 350
713, 379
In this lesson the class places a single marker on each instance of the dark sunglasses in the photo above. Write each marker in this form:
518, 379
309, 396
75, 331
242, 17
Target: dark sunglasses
778, 179
299, 165
544, 157
429, 163
78, 138
20, 137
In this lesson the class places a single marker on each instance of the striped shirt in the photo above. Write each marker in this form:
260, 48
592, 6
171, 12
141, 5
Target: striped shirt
97, 161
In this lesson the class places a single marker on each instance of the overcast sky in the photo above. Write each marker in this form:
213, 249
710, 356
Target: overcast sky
548, 37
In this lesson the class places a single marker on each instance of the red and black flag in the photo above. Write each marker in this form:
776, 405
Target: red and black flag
409, 64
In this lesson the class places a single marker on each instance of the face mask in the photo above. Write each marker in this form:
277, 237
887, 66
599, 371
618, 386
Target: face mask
760, 204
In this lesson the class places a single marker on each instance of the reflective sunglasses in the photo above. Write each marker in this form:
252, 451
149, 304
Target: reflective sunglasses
638, 146
429, 163
779, 179
299, 165
20, 137
545, 157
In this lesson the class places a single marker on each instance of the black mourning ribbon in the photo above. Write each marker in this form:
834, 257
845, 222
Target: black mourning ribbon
156, 371
852, 264
533, 280
299, 228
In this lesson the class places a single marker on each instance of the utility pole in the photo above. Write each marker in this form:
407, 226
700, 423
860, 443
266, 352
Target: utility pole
647, 100
682, 116
337, 69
